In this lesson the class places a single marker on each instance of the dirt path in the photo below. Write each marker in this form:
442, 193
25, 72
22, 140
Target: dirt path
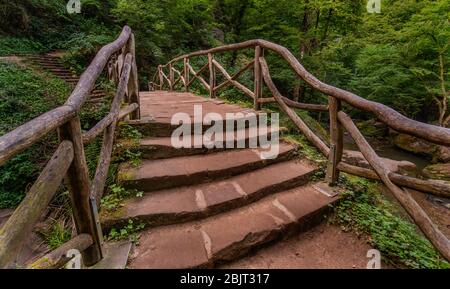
323, 247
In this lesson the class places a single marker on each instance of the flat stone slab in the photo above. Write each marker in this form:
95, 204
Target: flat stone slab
115, 255
162, 105
161, 147
232, 234
166, 173
158, 108
176, 205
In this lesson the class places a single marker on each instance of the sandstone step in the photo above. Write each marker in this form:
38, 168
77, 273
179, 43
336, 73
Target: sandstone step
150, 127
177, 205
230, 235
45, 60
154, 175
115, 256
52, 65
161, 147
63, 73
48, 61
97, 95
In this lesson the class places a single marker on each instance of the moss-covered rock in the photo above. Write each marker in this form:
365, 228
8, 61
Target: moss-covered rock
437, 172
373, 128
418, 146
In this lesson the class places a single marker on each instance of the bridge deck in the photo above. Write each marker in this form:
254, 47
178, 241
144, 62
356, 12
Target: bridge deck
160, 106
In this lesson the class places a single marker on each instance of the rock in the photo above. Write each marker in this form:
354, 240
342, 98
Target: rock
421, 147
437, 172
373, 128
402, 167
442, 154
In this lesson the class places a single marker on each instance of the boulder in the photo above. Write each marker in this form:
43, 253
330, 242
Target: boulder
436, 153
437, 172
402, 167
373, 128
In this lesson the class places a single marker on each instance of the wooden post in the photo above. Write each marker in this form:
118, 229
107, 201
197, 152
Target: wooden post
186, 73
133, 83
78, 183
161, 78
336, 137
212, 76
171, 77
258, 78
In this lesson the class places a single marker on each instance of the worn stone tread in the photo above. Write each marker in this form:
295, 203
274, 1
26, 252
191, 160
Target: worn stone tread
199, 201
230, 235
161, 147
154, 175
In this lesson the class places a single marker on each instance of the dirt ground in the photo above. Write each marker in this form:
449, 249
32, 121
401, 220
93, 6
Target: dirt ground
323, 247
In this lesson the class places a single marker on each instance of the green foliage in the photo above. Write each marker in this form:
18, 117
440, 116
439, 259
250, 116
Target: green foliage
128, 151
19, 46
365, 209
23, 96
116, 195
58, 234
130, 231
82, 48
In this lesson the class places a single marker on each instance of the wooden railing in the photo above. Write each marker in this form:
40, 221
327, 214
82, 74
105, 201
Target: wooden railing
339, 120
69, 162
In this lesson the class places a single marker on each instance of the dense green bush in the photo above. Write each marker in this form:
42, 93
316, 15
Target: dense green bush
19, 46
23, 96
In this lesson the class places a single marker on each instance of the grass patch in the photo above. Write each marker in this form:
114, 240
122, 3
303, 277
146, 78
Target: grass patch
57, 234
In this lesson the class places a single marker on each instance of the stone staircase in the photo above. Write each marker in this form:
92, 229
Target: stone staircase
54, 65
203, 207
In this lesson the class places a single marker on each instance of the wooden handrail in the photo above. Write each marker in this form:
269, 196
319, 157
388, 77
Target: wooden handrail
69, 160
310, 135
244, 89
387, 115
90, 75
37, 199
31, 132
430, 230
105, 154
58, 257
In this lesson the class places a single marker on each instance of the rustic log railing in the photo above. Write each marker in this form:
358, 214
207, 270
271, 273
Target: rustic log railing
69, 160
339, 121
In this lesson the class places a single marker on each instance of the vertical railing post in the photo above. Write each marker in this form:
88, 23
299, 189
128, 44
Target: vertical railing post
78, 183
161, 78
186, 73
133, 83
258, 78
171, 77
336, 136
212, 76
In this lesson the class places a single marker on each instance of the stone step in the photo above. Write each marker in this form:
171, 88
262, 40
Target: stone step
162, 147
183, 204
52, 65
233, 234
49, 62
154, 175
97, 95
150, 127
46, 61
